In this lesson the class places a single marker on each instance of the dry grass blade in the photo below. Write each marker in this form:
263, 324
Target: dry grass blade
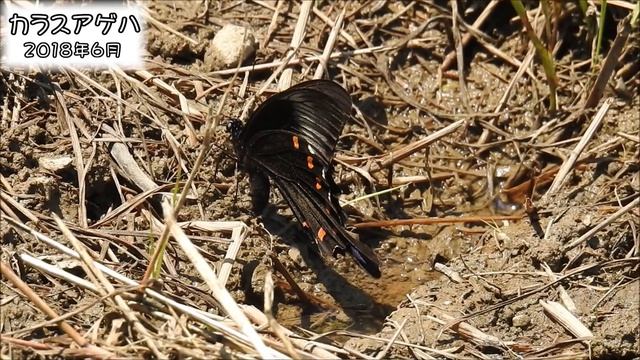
162, 26
397, 155
632, 205
471, 332
386, 349
218, 290
567, 301
103, 287
289, 60
575, 153
328, 49
27, 344
238, 233
128, 165
609, 65
507, 93
560, 314
56, 271
273, 323
296, 40
313, 349
272, 25
9, 201
63, 114
459, 54
448, 60
45, 308
448, 272
202, 316
345, 35
445, 220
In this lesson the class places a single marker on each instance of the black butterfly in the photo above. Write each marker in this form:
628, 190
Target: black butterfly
290, 139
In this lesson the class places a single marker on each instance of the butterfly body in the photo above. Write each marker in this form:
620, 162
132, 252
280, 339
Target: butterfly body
290, 139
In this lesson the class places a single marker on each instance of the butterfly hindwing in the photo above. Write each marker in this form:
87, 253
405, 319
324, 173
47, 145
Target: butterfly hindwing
286, 155
323, 224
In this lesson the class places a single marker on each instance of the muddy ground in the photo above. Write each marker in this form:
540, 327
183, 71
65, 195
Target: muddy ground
498, 274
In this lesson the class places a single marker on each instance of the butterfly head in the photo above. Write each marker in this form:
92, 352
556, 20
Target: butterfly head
234, 128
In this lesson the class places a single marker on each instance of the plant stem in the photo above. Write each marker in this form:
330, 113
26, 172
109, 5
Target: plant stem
545, 57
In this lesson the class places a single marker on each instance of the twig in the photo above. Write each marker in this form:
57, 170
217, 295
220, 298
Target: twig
276, 63
598, 227
34, 345
446, 63
505, 97
459, 54
397, 155
430, 221
331, 41
296, 40
575, 153
609, 65
386, 349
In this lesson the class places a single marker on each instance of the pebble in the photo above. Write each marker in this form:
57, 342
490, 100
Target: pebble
520, 321
227, 47
296, 257
55, 163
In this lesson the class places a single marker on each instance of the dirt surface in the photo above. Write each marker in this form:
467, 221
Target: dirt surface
472, 286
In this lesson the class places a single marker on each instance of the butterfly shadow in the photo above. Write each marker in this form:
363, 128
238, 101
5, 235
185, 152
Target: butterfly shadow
357, 304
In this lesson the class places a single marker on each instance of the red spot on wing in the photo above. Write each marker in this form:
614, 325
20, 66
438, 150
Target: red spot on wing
296, 142
310, 162
321, 234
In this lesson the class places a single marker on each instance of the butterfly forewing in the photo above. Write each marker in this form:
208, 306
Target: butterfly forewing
316, 110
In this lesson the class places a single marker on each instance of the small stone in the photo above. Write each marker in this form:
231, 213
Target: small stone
227, 47
296, 257
55, 163
520, 321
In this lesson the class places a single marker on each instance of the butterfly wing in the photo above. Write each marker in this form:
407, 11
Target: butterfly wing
284, 154
324, 224
291, 138
315, 110
306, 183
